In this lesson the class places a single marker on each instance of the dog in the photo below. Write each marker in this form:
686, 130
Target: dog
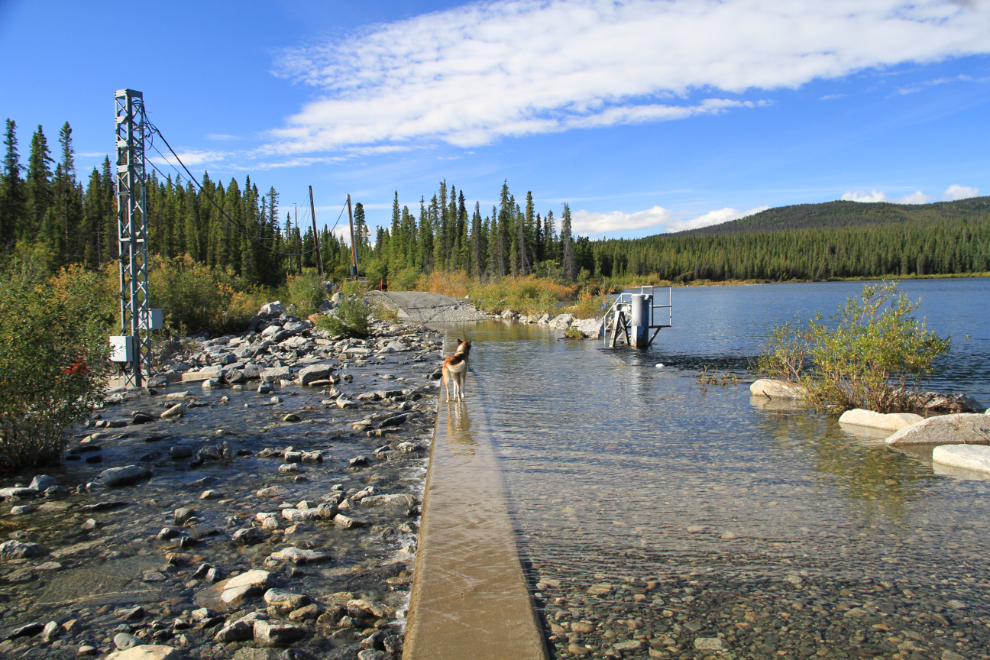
455, 369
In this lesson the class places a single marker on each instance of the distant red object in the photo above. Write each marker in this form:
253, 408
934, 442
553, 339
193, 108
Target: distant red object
77, 368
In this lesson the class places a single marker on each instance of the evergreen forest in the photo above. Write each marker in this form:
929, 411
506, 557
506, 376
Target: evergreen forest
48, 213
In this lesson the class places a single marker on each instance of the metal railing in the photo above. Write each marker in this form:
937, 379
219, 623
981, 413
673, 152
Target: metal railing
623, 307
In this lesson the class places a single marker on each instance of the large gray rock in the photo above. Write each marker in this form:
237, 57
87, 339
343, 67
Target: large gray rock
17, 491
18, 550
777, 389
313, 372
886, 422
272, 374
121, 476
272, 308
562, 322
266, 634
43, 482
590, 327
961, 429
969, 457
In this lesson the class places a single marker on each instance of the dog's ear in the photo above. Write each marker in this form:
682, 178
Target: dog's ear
459, 341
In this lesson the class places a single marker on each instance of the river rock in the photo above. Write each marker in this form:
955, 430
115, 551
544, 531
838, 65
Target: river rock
395, 499
344, 402
970, 457
301, 515
271, 308
121, 476
51, 631
147, 652
777, 389
960, 429
17, 491
267, 634
43, 482
562, 322
240, 630
276, 373
178, 410
286, 601
313, 372
300, 556
710, 644
591, 328
124, 641
886, 422
247, 536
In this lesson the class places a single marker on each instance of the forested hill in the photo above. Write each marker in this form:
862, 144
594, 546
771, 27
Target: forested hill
844, 214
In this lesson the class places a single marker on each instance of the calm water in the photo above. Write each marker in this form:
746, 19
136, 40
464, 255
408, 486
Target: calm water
703, 513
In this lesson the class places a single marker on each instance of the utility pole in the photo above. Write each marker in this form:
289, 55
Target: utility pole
350, 221
316, 236
132, 236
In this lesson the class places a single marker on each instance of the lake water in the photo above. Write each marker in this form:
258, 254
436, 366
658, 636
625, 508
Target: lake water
658, 518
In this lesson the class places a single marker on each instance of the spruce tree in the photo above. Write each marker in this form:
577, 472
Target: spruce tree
12, 193
39, 186
566, 244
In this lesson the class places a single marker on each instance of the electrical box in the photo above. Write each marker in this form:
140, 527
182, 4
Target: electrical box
153, 321
122, 349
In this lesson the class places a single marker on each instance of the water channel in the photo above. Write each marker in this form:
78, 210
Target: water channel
659, 518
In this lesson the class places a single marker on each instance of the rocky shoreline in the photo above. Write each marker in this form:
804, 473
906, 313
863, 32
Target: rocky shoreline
260, 500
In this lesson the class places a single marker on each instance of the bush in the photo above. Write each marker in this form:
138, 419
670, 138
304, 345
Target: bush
306, 292
866, 358
194, 297
53, 357
404, 280
349, 318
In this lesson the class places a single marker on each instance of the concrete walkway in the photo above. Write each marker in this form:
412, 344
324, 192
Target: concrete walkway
434, 307
469, 597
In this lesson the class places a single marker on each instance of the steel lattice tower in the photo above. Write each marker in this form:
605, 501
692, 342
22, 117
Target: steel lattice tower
132, 230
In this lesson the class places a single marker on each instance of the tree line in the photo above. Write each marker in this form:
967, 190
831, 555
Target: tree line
46, 212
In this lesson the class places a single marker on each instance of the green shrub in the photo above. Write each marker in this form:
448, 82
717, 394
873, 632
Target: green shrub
349, 318
306, 292
53, 357
867, 357
404, 280
194, 297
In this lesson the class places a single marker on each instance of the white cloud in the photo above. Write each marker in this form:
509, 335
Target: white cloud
714, 218
860, 196
190, 158
955, 191
477, 73
584, 222
92, 154
917, 197
832, 97
222, 137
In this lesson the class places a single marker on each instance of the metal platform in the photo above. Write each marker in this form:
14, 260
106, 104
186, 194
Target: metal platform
633, 315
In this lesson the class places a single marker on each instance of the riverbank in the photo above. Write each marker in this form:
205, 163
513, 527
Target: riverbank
290, 461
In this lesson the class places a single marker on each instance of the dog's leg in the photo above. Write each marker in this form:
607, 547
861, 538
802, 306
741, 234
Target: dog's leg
445, 372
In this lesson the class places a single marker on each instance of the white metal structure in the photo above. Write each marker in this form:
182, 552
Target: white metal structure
633, 314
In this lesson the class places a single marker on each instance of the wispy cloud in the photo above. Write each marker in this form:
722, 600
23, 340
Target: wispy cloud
955, 191
714, 218
917, 197
919, 86
221, 137
489, 70
190, 157
832, 97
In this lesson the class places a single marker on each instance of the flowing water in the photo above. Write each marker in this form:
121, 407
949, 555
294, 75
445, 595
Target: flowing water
660, 518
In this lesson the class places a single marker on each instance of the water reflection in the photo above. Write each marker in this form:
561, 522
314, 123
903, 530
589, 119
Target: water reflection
458, 431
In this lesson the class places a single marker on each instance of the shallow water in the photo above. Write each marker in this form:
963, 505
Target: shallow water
700, 513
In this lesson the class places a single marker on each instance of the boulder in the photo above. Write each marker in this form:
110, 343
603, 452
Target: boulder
175, 411
300, 556
776, 389
122, 476
271, 308
43, 482
276, 373
961, 429
313, 372
254, 577
887, 422
969, 457
267, 634
590, 327
562, 322
18, 550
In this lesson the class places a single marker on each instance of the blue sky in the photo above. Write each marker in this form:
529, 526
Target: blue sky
645, 116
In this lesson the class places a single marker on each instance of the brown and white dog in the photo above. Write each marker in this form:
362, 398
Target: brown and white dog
455, 368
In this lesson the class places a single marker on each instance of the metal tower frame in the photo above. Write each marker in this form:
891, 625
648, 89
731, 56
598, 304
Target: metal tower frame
132, 233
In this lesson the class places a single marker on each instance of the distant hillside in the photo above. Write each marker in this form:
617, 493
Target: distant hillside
845, 214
